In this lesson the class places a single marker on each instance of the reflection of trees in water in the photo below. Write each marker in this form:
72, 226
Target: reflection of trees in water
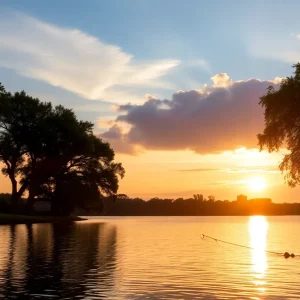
67, 261
13, 268
89, 267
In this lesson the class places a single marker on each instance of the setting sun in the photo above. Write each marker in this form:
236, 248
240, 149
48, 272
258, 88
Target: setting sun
257, 184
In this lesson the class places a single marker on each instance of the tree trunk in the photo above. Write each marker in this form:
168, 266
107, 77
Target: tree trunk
30, 200
14, 195
29, 205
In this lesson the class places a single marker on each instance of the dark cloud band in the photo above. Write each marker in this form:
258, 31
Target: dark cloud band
213, 120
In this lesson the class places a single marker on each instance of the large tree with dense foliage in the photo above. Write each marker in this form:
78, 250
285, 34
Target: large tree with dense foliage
21, 117
53, 154
282, 124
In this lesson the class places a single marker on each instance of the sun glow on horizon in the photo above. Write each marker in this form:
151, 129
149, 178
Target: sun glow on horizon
256, 184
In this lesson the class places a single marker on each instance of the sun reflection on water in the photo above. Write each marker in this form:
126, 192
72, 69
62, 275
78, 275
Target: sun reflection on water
258, 229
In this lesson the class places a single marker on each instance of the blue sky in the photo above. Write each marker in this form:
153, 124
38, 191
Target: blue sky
228, 36
218, 32
93, 56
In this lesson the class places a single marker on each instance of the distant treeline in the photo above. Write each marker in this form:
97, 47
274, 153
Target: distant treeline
122, 205
196, 206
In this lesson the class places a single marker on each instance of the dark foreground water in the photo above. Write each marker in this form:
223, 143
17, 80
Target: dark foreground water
151, 258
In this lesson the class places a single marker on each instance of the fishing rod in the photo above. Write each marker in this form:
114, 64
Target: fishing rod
285, 254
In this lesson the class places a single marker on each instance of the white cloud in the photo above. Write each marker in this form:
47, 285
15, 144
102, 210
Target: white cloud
221, 80
149, 97
74, 60
277, 80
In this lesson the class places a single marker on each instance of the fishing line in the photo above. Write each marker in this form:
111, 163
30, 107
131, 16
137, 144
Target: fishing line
285, 254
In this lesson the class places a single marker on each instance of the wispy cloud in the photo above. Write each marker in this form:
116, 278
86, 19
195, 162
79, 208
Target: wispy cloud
296, 35
198, 63
74, 60
252, 170
256, 169
283, 48
227, 183
199, 170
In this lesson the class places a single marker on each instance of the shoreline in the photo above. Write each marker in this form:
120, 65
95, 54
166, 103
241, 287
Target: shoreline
11, 219
212, 215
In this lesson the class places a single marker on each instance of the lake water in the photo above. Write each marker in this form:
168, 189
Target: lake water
151, 258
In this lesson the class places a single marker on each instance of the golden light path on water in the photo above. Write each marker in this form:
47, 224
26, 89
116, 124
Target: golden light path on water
258, 230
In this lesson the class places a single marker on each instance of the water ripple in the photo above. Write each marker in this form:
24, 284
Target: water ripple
150, 258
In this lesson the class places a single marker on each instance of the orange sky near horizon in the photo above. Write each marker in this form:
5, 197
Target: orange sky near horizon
175, 174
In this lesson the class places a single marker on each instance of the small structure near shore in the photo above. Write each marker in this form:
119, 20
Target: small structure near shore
241, 198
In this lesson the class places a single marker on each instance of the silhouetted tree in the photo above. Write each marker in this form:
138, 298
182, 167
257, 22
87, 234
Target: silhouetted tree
211, 198
198, 197
53, 153
282, 124
122, 196
196, 207
21, 127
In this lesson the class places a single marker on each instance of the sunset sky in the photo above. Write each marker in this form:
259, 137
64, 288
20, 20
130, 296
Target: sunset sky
172, 85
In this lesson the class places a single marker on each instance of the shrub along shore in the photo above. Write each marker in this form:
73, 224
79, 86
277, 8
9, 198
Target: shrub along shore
7, 219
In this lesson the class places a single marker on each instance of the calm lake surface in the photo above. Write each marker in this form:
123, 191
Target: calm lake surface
151, 258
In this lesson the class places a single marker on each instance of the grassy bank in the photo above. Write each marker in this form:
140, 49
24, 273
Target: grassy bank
22, 219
